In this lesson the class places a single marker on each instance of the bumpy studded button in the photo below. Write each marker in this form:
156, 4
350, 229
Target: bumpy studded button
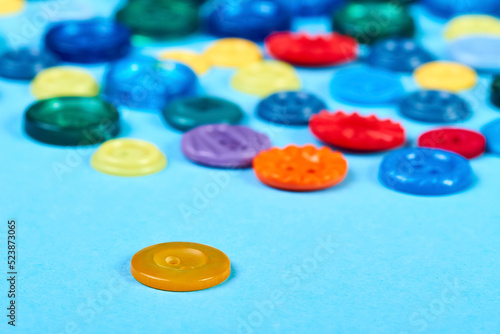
64, 81
448, 76
398, 54
467, 25
469, 144
195, 61
233, 52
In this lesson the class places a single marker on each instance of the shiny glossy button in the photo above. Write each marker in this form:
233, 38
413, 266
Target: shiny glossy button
304, 168
64, 81
467, 25
435, 107
180, 266
479, 52
492, 133
8, 7
469, 144
25, 63
265, 78
233, 52
398, 54
223, 145
128, 157
447, 8
443, 75
195, 61
311, 7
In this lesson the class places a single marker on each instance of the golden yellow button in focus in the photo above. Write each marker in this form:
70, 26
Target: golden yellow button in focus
233, 52
64, 81
443, 75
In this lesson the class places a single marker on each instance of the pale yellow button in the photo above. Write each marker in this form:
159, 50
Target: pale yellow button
11, 6
64, 81
448, 76
195, 61
233, 52
128, 157
265, 78
466, 25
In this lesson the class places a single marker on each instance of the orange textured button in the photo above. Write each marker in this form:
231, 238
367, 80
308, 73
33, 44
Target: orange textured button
180, 266
304, 168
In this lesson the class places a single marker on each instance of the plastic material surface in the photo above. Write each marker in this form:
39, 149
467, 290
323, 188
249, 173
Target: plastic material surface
468, 25
479, 52
196, 62
495, 91
467, 143
444, 75
492, 133
398, 54
449, 8
9, 7
233, 52
311, 7
25, 63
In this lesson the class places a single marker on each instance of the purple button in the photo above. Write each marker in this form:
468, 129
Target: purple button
223, 145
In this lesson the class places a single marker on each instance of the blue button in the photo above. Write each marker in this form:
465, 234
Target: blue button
425, 171
367, 86
290, 108
311, 7
447, 8
249, 19
435, 107
403, 55
88, 42
144, 83
479, 52
25, 63
492, 133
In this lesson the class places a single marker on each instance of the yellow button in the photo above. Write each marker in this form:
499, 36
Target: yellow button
10, 6
64, 81
128, 157
180, 266
265, 78
233, 52
472, 25
196, 62
448, 76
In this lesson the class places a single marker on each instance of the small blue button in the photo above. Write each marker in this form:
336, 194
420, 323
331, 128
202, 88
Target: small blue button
88, 42
492, 133
447, 8
402, 55
367, 86
290, 108
25, 63
311, 7
425, 171
435, 107
479, 52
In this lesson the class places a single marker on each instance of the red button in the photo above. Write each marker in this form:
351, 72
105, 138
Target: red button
469, 144
305, 50
356, 132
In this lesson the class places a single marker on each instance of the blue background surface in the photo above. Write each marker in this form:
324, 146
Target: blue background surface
357, 258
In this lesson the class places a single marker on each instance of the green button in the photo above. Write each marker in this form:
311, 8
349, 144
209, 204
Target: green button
72, 121
369, 22
189, 113
495, 91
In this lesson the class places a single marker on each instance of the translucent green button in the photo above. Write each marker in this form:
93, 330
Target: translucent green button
72, 121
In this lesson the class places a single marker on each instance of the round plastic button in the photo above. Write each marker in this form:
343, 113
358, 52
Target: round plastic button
469, 144
88, 42
180, 266
128, 157
185, 114
479, 52
448, 76
222, 145
290, 108
492, 133
311, 7
358, 133
265, 78
8, 7
425, 171
305, 50
435, 107
72, 121
25, 64
64, 81
448, 8
495, 91
367, 86
467, 25
196, 62
398, 54
233, 52
304, 168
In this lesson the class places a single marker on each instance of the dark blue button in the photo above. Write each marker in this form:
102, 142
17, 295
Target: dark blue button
25, 63
403, 55
492, 133
250, 19
311, 7
479, 52
87, 42
435, 107
447, 8
425, 171
290, 108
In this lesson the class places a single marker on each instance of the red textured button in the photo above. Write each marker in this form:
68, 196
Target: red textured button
469, 144
305, 50
356, 132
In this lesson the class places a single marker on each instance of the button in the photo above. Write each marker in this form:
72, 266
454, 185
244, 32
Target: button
435, 107
72, 121
64, 81
425, 171
290, 108
469, 144
88, 42
492, 133
367, 85
222, 145
9, 7
302, 49
180, 266
185, 114
398, 54
304, 168
363, 21
479, 52
446, 8
265, 78
249, 19
25, 63
128, 157
495, 91
467, 25
356, 132
233, 52
311, 7
443, 75
195, 61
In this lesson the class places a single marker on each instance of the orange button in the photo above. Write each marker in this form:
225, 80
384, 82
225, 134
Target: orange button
180, 266
300, 168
